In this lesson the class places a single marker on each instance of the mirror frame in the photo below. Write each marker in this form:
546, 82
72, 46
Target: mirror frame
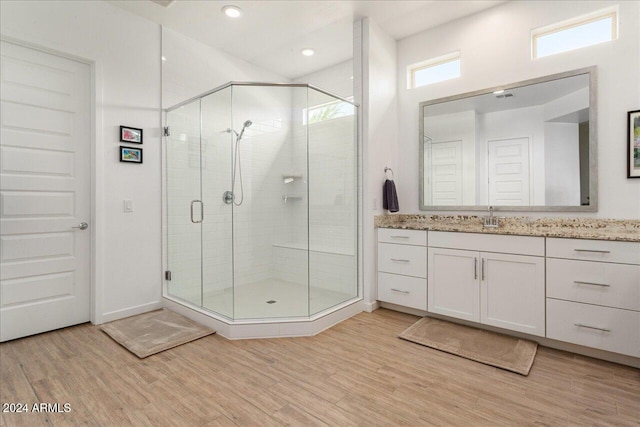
593, 146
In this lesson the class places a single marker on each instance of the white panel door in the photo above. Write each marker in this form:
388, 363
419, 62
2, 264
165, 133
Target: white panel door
44, 192
453, 287
509, 172
446, 173
512, 292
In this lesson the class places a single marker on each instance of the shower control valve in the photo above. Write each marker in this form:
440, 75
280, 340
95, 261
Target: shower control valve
227, 197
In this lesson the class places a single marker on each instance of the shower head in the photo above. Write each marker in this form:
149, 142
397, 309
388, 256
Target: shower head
244, 126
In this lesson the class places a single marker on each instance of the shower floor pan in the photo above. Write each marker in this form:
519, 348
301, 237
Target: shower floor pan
269, 308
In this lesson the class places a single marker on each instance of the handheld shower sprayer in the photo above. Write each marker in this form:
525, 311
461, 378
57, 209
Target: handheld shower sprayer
244, 126
229, 196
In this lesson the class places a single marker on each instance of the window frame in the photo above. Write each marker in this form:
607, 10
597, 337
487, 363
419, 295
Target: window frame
430, 63
611, 12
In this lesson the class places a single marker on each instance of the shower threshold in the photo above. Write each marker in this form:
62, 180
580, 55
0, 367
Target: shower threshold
260, 319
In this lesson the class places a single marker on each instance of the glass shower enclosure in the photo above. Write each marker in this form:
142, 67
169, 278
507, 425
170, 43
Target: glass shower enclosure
261, 201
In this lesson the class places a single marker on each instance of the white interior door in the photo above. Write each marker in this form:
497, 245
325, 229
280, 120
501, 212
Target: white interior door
446, 173
509, 172
44, 192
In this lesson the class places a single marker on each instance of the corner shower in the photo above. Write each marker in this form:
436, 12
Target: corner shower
261, 223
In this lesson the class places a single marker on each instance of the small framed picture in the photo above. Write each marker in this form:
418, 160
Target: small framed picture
130, 155
130, 135
633, 144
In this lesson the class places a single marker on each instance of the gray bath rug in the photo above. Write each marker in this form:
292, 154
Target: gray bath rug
490, 348
153, 332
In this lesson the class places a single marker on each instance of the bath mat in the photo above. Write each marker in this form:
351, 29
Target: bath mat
153, 332
490, 348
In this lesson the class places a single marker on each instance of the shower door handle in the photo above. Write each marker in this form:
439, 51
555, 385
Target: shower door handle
201, 211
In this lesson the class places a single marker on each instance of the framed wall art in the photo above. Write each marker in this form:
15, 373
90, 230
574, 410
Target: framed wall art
633, 144
130, 155
130, 135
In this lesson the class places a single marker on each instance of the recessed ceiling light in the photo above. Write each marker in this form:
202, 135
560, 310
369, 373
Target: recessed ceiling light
351, 78
499, 91
164, 59
232, 11
307, 51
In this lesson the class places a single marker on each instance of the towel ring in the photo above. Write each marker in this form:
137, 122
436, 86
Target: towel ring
387, 169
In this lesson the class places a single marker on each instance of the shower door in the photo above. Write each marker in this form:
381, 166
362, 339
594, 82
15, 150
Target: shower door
199, 223
184, 207
217, 227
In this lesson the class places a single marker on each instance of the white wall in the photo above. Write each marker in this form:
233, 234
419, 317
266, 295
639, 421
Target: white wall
126, 54
337, 79
491, 59
192, 68
380, 130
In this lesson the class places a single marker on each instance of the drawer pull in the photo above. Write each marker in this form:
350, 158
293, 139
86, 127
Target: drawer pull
592, 250
400, 260
580, 325
399, 237
577, 282
398, 290
475, 268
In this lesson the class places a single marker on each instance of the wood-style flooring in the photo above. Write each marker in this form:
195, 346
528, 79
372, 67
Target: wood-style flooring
356, 373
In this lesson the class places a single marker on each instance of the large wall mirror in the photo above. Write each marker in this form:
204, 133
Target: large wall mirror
528, 146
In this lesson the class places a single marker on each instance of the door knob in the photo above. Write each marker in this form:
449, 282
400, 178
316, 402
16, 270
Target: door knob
82, 226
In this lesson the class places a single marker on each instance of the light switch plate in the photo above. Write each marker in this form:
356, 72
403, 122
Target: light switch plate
128, 205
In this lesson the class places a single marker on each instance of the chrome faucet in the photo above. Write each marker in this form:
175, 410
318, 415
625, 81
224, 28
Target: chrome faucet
490, 221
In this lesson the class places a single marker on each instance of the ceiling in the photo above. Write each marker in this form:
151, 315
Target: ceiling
271, 33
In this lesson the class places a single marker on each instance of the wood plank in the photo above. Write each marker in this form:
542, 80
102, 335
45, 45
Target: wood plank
356, 373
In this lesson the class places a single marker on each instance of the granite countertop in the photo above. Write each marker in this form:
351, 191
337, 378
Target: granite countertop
575, 228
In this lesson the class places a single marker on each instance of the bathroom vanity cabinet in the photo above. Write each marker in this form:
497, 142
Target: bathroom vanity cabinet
494, 280
402, 267
578, 291
593, 294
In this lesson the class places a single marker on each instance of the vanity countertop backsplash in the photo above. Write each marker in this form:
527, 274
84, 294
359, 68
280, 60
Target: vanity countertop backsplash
575, 228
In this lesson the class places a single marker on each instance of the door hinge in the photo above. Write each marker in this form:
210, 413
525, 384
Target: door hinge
167, 131
167, 275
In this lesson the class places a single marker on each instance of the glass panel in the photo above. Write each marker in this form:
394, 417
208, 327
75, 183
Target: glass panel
436, 73
270, 213
217, 267
332, 202
184, 248
575, 38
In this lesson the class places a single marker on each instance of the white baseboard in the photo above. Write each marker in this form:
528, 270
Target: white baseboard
403, 309
127, 312
370, 307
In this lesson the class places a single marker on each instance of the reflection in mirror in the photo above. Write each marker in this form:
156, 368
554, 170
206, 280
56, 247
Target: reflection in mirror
520, 146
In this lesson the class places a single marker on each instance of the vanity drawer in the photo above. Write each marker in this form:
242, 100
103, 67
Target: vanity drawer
402, 290
403, 237
621, 332
402, 259
594, 250
611, 285
521, 245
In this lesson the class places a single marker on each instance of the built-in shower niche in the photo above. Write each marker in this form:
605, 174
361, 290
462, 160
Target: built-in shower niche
282, 243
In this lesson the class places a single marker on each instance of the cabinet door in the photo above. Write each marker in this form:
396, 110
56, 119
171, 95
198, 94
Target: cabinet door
452, 287
512, 292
